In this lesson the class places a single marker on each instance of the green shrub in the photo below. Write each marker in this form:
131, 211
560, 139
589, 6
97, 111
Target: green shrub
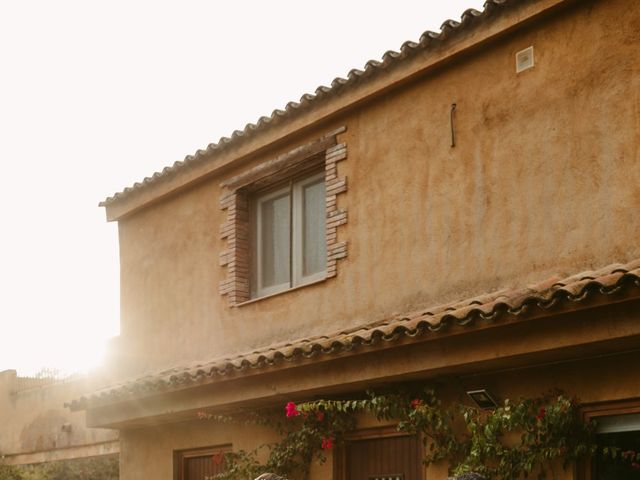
96, 468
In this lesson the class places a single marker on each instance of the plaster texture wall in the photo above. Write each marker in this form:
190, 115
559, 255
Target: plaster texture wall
148, 452
36, 427
543, 179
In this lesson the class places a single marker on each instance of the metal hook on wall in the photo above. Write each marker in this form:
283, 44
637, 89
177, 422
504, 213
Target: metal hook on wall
451, 117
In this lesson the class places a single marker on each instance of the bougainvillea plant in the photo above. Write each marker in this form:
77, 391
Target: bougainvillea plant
305, 434
513, 441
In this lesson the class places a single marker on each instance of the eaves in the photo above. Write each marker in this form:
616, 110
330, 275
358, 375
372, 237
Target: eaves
414, 60
555, 296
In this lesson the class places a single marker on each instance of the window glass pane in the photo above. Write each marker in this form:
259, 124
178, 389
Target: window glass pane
623, 433
275, 241
619, 423
314, 248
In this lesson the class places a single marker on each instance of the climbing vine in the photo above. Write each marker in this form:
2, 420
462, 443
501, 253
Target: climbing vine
306, 433
515, 440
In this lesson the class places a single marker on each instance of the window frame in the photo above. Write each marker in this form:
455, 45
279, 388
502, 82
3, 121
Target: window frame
605, 409
236, 229
297, 230
258, 290
295, 188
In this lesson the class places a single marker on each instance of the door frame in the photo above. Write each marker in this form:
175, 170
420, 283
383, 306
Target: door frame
179, 457
372, 433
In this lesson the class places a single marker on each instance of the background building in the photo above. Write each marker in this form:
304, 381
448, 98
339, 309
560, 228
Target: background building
36, 426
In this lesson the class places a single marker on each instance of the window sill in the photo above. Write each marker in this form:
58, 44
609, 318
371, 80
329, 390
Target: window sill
281, 292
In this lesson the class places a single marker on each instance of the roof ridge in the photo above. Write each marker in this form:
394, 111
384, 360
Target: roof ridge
371, 67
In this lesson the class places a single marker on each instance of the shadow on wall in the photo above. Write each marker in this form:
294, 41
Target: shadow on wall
49, 430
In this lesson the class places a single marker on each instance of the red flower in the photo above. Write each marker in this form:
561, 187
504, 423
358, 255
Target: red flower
217, 458
327, 443
541, 414
320, 415
635, 465
415, 403
292, 410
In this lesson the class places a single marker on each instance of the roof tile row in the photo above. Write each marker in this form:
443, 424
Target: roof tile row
371, 68
554, 293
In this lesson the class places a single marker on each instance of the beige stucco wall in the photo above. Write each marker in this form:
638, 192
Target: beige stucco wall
36, 427
543, 179
154, 447
148, 452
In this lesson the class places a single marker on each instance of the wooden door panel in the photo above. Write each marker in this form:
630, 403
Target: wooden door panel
387, 458
200, 464
198, 468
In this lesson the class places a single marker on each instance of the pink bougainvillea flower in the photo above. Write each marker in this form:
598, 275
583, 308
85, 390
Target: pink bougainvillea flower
292, 410
320, 415
327, 443
635, 465
217, 458
415, 403
202, 415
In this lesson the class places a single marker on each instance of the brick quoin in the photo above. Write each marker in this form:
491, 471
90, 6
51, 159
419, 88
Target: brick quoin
236, 258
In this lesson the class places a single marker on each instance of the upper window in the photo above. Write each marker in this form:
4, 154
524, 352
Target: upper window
289, 238
282, 223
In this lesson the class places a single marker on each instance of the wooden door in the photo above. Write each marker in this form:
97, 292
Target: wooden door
200, 464
385, 458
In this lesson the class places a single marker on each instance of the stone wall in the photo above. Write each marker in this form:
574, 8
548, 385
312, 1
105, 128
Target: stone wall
36, 426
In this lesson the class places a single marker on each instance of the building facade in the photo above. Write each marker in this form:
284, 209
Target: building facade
36, 426
463, 211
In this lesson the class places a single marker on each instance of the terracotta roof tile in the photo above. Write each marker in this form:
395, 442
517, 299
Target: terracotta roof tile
338, 85
555, 292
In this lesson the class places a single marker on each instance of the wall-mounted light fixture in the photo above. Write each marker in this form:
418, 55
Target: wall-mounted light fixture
483, 399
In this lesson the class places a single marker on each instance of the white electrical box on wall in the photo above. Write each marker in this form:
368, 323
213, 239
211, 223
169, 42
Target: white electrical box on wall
524, 60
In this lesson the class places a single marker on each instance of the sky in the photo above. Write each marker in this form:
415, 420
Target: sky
96, 95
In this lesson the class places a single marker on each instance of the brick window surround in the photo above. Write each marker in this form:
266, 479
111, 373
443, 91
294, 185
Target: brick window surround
236, 200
